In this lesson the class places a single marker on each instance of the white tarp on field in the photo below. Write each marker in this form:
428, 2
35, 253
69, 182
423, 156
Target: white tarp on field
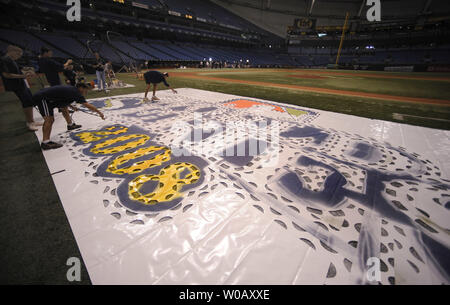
324, 198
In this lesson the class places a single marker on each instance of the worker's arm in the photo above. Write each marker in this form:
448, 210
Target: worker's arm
167, 85
94, 109
173, 90
13, 76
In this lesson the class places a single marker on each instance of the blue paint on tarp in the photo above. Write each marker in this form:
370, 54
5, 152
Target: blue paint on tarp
206, 109
364, 151
246, 157
158, 117
180, 108
306, 132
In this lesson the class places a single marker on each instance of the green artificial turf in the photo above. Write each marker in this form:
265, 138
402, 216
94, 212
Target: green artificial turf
400, 87
36, 239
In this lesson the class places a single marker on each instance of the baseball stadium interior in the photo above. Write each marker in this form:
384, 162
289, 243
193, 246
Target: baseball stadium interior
361, 102
167, 33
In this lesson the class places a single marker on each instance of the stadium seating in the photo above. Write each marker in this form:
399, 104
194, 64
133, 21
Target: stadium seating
313, 57
69, 45
28, 42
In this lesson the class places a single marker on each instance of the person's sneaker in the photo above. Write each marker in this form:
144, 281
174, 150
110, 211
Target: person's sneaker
154, 98
73, 126
40, 123
32, 127
50, 145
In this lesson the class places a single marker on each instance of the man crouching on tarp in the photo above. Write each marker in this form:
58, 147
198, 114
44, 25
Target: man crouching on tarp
59, 97
154, 78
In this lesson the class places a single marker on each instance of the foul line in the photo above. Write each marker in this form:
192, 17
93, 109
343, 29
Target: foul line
400, 117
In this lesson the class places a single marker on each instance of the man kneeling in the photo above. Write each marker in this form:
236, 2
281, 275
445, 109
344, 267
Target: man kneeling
59, 97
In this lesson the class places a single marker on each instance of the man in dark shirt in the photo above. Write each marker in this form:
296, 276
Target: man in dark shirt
70, 75
14, 80
50, 67
48, 99
155, 77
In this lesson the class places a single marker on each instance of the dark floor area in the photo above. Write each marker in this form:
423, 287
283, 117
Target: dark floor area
36, 239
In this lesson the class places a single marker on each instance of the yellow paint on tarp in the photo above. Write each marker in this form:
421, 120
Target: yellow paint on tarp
140, 166
296, 112
108, 104
100, 148
91, 136
169, 186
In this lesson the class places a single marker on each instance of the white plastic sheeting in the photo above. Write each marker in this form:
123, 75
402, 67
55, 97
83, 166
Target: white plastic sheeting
343, 191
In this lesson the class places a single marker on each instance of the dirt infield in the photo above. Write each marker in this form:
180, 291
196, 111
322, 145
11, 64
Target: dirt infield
198, 75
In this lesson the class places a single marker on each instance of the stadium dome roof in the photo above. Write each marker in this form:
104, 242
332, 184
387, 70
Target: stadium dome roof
277, 15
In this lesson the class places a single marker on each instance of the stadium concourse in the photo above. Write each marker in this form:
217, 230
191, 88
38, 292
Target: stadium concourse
301, 143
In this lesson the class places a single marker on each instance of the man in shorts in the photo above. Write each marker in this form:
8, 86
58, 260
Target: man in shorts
48, 99
155, 77
15, 81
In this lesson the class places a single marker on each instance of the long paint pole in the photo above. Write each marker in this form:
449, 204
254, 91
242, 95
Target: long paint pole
342, 39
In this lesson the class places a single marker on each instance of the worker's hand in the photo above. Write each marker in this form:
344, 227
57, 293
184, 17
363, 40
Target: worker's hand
74, 108
29, 73
101, 115
174, 91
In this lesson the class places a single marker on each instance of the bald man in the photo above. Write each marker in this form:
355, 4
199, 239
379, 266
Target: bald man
14, 81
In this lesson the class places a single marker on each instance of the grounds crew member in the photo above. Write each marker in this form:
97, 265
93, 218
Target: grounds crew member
59, 97
100, 72
155, 77
51, 69
70, 75
14, 80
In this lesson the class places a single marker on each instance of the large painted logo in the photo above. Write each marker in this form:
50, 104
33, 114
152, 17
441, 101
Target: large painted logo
343, 194
153, 179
